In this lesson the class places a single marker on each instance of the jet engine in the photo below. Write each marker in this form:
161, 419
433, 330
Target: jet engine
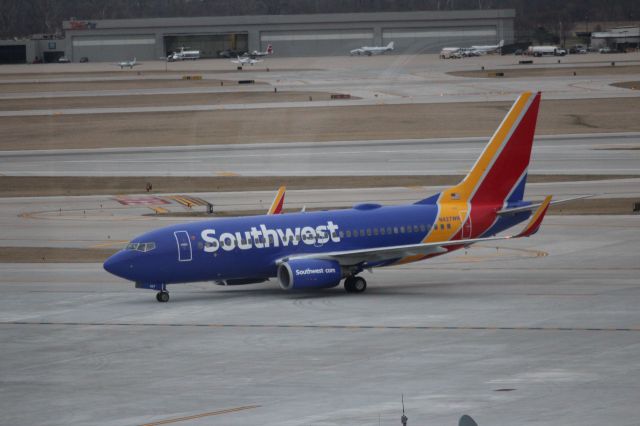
308, 274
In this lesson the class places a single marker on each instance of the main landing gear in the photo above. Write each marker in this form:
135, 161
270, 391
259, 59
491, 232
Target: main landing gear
162, 296
354, 284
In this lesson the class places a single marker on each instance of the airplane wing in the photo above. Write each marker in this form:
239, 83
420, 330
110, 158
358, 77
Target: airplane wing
514, 210
379, 254
278, 202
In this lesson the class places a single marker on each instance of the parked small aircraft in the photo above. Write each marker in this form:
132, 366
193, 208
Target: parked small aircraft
242, 61
128, 64
259, 54
372, 50
487, 48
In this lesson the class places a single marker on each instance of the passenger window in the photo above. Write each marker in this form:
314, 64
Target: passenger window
442, 226
395, 229
382, 232
362, 232
368, 232
348, 234
422, 228
375, 231
388, 230
415, 228
341, 234
448, 226
402, 229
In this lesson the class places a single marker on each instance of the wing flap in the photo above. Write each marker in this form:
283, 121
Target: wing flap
377, 254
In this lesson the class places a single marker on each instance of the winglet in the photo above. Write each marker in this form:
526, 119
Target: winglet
536, 220
278, 202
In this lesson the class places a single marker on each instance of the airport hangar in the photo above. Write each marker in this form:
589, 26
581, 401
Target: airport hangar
291, 35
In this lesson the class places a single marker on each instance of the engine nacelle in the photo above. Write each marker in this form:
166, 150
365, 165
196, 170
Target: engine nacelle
309, 273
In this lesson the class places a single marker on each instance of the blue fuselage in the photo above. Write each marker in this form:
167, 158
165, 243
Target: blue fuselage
250, 247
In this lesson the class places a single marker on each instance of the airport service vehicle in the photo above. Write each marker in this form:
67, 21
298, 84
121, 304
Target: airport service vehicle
451, 53
183, 54
465, 52
128, 64
372, 50
545, 51
319, 250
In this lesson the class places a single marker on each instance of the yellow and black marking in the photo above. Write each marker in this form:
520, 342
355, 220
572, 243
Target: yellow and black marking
328, 327
187, 200
201, 415
159, 210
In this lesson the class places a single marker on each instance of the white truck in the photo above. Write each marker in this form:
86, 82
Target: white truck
545, 51
451, 53
183, 55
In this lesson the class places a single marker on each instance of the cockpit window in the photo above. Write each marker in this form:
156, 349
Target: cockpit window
143, 247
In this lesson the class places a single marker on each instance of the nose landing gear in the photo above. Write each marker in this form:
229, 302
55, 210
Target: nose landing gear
354, 284
162, 296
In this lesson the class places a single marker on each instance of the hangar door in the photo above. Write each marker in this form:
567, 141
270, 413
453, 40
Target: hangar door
316, 42
210, 46
114, 49
13, 54
432, 40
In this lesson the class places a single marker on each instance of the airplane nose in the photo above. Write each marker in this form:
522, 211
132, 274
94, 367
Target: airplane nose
120, 265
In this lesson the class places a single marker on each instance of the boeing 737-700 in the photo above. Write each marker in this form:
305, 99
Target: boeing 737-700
318, 250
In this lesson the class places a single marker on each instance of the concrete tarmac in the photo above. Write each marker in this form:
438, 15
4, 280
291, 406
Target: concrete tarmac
534, 331
542, 330
607, 153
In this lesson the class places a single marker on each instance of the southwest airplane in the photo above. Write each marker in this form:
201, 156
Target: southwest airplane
317, 250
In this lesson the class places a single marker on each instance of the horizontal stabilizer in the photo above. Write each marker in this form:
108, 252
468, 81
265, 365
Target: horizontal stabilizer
515, 210
536, 220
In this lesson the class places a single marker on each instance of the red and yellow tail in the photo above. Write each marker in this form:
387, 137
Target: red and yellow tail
502, 167
278, 202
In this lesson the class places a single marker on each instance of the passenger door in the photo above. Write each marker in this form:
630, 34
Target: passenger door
184, 246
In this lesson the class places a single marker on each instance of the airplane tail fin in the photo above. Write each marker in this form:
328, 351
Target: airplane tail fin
500, 174
278, 202
390, 45
501, 43
269, 49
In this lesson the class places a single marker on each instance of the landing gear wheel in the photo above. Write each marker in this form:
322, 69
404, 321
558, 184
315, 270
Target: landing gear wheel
355, 284
162, 296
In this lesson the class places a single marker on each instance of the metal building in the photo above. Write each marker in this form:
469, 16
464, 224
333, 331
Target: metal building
290, 35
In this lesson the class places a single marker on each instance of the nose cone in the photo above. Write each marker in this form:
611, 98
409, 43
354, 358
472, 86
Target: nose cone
120, 265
